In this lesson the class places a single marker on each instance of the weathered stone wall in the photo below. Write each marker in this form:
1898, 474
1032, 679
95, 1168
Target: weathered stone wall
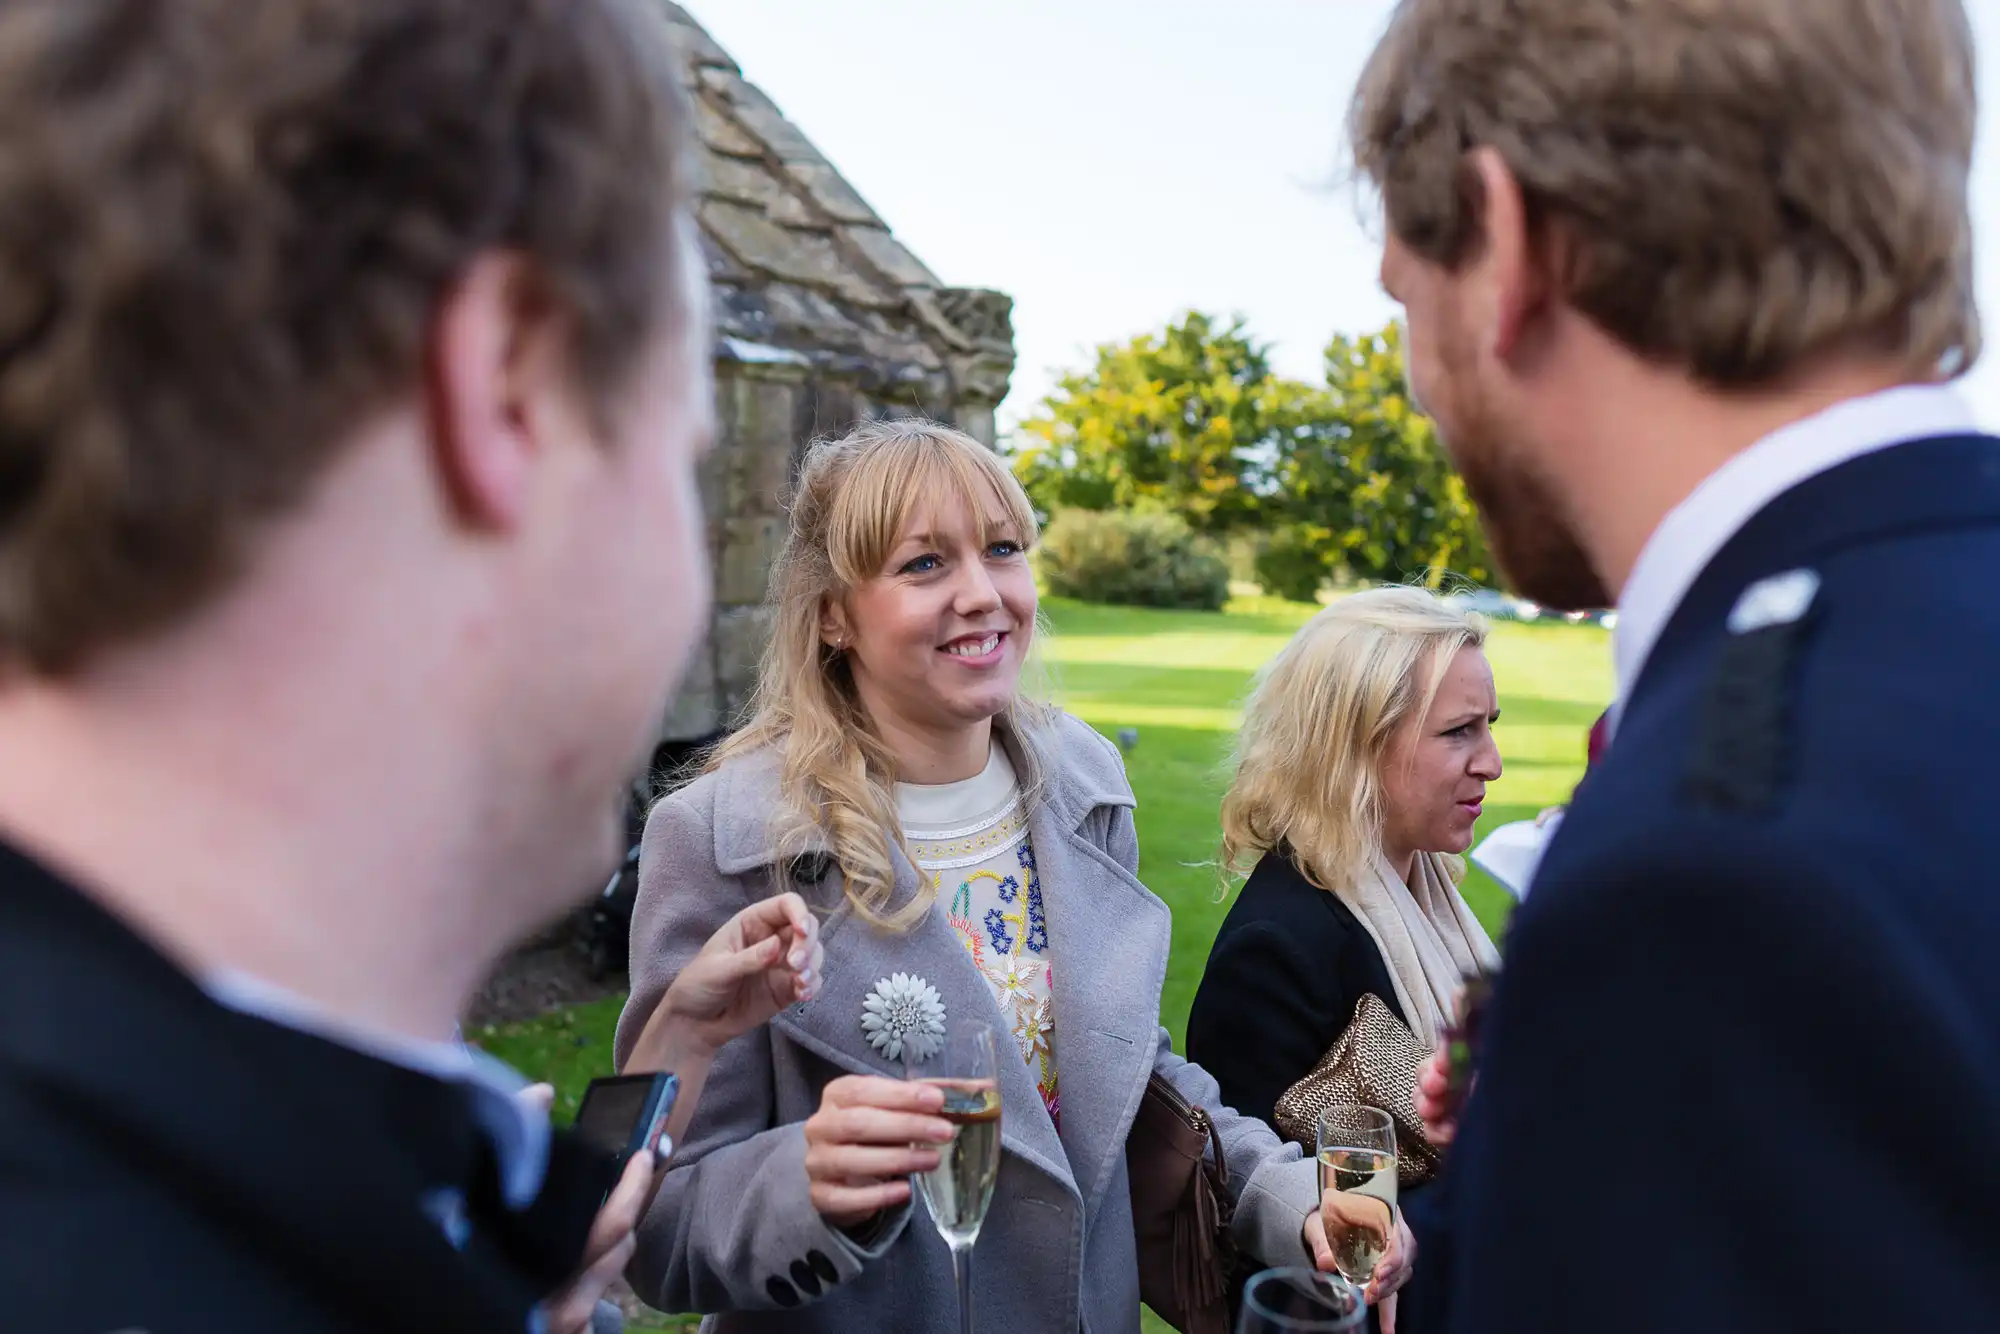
823, 319
768, 413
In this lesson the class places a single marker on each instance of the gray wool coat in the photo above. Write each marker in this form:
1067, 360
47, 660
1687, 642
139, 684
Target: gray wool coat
733, 1230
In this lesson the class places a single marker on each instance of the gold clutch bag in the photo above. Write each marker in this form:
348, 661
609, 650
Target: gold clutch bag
1374, 1062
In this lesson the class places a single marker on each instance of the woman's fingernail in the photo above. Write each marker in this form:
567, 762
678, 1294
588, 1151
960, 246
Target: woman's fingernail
798, 959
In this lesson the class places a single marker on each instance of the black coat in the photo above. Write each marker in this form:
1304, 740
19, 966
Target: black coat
1742, 1072
170, 1165
1286, 971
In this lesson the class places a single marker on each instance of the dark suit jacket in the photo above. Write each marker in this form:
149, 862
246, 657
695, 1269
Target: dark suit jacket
1286, 971
173, 1166
1742, 1072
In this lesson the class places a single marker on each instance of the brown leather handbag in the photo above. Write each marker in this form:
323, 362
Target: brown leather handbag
1180, 1211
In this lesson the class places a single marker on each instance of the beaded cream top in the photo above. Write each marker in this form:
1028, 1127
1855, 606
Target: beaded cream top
971, 838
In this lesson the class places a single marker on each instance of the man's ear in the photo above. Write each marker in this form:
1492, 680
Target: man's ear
1511, 267
492, 371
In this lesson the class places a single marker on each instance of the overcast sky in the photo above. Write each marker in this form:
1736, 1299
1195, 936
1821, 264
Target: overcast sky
1111, 163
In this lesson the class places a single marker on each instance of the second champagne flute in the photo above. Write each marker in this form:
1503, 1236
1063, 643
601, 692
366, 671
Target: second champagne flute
1357, 1157
958, 1191
1300, 1301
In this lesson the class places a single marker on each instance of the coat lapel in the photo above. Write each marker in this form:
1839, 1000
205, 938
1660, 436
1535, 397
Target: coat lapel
1109, 937
859, 955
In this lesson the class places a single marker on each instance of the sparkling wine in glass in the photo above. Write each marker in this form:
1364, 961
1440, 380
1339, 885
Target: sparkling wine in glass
958, 1191
1300, 1301
1357, 1158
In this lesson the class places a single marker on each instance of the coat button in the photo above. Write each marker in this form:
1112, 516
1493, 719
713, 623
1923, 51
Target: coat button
782, 1293
808, 1282
823, 1267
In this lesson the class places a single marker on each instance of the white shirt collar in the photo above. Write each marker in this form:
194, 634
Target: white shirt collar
1695, 530
520, 1133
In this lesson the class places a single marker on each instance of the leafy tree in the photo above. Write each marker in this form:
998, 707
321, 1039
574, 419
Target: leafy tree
1180, 420
1192, 421
1363, 477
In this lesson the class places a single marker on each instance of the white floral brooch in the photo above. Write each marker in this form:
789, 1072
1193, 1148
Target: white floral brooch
904, 1013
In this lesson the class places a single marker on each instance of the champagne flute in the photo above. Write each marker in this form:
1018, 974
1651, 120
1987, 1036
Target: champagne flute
1357, 1158
1300, 1301
959, 1189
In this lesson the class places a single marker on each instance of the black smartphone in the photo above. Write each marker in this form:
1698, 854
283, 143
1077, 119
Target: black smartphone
626, 1113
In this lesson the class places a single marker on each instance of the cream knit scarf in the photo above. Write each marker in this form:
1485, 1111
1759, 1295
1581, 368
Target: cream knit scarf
1427, 935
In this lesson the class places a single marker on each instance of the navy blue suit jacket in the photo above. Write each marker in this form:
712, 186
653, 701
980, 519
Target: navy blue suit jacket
1742, 1072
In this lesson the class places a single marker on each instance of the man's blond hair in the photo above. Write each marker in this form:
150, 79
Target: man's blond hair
1736, 186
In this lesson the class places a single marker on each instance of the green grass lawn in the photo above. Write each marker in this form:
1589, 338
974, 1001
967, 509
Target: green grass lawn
1180, 678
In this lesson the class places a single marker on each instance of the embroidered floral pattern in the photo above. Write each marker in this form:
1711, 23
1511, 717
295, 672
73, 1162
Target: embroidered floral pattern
1014, 980
998, 919
996, 931
986, 874
1035, 1026
959, 915
1035, 1031
1038, 926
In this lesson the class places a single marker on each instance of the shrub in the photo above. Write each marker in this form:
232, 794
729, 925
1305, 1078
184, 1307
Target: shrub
1240, 551
1139, 559
1291, 565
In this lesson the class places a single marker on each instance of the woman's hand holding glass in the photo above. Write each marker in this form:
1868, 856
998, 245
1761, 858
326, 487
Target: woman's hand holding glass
867, 1138
1340, 1211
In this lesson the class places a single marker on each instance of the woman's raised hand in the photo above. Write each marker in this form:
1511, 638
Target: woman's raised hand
761, 960
865, 1140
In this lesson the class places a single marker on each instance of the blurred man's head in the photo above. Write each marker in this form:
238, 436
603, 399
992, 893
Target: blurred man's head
1734, 190
386, 311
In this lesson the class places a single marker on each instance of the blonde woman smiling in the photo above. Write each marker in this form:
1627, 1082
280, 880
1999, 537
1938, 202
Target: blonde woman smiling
961, 839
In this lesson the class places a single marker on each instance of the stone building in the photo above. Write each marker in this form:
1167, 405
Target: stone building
822, 319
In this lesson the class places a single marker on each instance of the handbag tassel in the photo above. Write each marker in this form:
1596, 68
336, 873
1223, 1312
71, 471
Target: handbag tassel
1195, 1280
1202, 1249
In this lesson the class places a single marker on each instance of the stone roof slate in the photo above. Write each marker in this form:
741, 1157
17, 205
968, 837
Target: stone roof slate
801, 263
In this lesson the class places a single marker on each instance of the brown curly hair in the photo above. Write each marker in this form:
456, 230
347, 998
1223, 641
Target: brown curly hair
225, 229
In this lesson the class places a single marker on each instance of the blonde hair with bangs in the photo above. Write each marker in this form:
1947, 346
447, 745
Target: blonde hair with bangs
1318, 726
855, 499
